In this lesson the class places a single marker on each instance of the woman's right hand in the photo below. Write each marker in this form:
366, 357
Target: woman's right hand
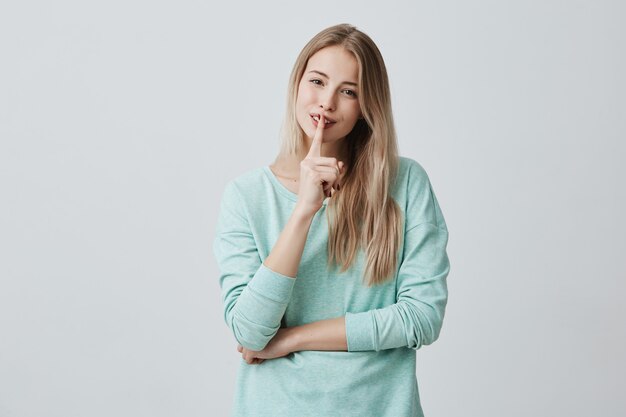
319, 176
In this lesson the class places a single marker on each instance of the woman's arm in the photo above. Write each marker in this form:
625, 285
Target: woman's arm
414, 320
421, 293
256, 294
327, 334
317, 176
287, 251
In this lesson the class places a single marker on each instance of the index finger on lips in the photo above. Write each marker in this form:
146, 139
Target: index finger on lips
316, 145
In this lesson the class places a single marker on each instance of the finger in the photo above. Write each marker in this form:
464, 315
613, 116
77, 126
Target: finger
332, 170
328, 178
316, 146
255, 361
342, 173
328, 161
329, 188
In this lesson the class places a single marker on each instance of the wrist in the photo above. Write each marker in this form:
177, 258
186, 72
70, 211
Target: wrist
304, 212
294, 339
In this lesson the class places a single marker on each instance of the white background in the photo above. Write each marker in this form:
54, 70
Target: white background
121, 121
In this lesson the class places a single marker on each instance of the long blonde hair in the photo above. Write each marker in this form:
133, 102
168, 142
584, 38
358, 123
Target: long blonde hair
370, 218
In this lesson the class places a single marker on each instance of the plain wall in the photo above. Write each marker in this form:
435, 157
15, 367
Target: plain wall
121, 122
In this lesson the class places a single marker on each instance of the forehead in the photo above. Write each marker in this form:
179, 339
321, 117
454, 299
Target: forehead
336, 62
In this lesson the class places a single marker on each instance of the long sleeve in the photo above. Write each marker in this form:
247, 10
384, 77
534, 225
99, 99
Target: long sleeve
421, 295
254, 297
406, 311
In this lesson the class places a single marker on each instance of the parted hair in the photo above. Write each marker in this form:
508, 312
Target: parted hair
363, 216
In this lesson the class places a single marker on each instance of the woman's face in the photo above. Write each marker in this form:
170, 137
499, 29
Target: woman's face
329, 86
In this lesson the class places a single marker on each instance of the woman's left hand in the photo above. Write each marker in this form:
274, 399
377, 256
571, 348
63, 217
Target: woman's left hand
282, 344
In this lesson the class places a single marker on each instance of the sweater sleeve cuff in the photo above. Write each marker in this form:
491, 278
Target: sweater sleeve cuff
273, 285
359, 331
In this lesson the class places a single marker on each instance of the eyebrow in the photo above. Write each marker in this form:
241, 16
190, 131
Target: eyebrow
324, 75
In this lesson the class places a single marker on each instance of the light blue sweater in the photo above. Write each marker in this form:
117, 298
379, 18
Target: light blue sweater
385, 324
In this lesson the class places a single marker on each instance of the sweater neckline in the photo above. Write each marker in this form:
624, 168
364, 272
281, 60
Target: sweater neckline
281, 188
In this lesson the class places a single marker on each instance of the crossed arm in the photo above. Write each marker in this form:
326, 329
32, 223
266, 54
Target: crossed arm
256, 299
327, 334
320, 335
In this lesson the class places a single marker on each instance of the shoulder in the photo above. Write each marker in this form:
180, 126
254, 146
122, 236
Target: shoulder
411, 174
245, 183
236, 196
414, 193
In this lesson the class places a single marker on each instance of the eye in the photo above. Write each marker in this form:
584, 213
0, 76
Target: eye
350, 93
315, 81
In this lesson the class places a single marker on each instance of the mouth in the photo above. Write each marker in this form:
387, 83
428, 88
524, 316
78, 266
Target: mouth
327, 122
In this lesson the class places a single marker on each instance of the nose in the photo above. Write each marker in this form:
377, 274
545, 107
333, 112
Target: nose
327, 100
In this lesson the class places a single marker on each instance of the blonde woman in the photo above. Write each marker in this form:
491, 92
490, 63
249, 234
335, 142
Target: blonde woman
333, 260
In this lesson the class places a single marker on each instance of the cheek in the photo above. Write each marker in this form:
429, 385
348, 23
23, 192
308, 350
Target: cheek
304, 96
355, 109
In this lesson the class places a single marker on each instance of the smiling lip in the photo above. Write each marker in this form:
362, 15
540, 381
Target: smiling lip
326, 125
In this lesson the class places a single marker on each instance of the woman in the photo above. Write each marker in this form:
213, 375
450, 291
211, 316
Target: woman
333, 261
